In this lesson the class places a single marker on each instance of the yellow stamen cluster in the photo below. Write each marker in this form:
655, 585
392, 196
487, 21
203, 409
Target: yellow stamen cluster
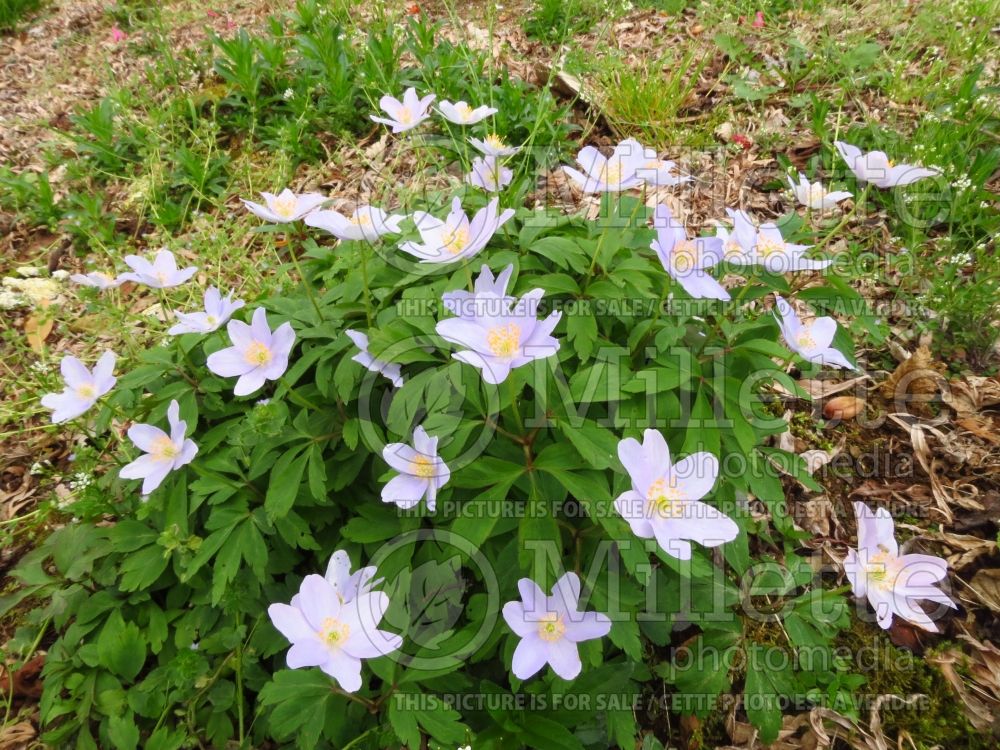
164, 449
423, 467
495, 141
284, 207
882, 570
767, 246
664, 499
455, 240
334, 632
805, 338
257, 354
504, 341
405, 116
685, 256
551, 628
611, 172
86, 390
464, 111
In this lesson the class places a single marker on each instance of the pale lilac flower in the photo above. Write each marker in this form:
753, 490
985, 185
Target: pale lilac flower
257, 354
364, 358
162, 273
493, 291
348, 586
489, 174
83, 387
665, 500
366, 223
456, 238
878, 169
501, 333
334, 634
286, 206
550, 627
163, 453
461, 113
218, 310
601, 174
892, 582
687, 260
814, 195
749, 245
494, 145
97, 279
404, 115
812, 340
421, 471
657, 172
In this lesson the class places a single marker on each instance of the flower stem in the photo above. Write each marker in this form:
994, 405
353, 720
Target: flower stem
363, 245
514, 405
305, 281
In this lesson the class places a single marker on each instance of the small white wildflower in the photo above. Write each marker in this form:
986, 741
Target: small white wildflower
36, 468
289, 93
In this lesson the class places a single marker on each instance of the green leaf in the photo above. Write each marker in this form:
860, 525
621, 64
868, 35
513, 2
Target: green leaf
283, 484
123, 732
768, 679
300, 700
121, 647
544, 734
596, 445
581, 331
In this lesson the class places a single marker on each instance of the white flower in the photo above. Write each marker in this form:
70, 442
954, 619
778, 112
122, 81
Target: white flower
366, 223
461, 113
421, 471
814, 195
286, 206
493, 145
218, 310
456, 238
389, 369
83, 387
163, 453
406, 114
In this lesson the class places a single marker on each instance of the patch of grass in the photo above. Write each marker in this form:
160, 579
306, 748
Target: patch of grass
12, 11
645, 101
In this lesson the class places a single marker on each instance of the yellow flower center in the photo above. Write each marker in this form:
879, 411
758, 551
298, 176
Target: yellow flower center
611, 173
495, 141
685, 256
211, 320
664, 499
504, 341
161, 277
422, 467
816, 193
284, 207
767, 246
455, 240
405, 116
464, 111
551, 628
732, 248
164, 449
805, 339
363, 220
334, 632
257, 354
881, 569
86, 390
